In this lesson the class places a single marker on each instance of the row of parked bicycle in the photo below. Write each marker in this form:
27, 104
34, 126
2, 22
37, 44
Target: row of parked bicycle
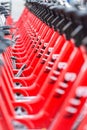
43, 69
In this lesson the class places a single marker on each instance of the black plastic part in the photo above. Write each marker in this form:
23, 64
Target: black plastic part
5, 27
13, 58
84, 42
78, 35
6, 32
61, 25
68, 29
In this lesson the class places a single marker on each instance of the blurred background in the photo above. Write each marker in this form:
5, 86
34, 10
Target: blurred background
17, 7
